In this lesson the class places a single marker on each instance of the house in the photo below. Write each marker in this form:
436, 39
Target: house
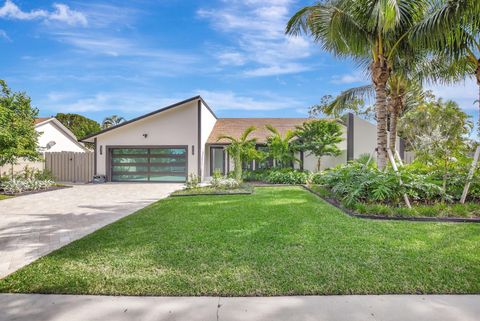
55, 137
168, 144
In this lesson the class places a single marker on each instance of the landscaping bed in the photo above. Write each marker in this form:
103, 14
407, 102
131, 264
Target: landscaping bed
242, 189
441, 212
28, 192
278, 241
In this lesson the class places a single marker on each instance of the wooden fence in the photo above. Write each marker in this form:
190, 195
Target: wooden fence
70, 166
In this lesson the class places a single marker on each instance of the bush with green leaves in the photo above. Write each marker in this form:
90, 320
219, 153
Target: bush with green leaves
278, 176
355, 182
20, 185
193, 181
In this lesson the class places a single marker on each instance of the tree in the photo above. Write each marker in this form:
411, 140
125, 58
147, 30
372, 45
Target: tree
80, 126
18, 137
372, 32
111, 121
320, 138
328, 106
437, 131
241, 149
451, 29
280, 148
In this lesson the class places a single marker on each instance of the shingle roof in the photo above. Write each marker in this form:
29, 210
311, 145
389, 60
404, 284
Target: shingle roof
41, 119
236, 126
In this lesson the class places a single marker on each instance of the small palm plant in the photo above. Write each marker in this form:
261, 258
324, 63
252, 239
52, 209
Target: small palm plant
111, 121
241, 149
280, 147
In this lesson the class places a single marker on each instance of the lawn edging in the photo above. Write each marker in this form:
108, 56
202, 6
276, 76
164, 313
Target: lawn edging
345, 210
211, 194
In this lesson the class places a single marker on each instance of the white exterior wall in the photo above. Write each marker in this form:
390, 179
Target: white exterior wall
175, 127
365, 138
310, 161
49, 131
208, 121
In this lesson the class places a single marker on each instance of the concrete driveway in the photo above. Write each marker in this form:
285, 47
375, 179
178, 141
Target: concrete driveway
34, 225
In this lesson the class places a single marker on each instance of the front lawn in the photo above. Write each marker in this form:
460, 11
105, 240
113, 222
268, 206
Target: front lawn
277, 241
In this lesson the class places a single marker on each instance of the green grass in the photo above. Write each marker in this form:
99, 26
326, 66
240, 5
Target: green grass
277, 241
4, 197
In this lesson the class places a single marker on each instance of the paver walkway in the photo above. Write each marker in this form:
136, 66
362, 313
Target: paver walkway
34, 225
35, 307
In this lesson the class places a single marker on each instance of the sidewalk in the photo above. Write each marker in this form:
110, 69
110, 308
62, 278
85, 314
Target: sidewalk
34, 307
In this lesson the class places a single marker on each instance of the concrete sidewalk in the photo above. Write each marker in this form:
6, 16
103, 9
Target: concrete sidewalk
332, 308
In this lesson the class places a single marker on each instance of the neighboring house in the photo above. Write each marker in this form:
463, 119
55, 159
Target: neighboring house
55, 137
181, 139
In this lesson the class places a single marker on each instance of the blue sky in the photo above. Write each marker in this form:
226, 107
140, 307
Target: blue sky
99, 58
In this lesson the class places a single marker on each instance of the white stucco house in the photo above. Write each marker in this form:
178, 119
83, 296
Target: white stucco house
55, 137
168, 144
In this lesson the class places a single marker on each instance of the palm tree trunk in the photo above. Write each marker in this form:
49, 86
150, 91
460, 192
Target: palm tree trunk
477, 74
380, 75
319, 163
238, 167
393, 126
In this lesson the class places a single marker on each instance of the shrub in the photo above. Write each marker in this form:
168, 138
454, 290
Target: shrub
17, 185
225, 183
355, 182
278, 176
192, 181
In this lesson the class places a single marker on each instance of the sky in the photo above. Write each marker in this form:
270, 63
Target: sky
99, 58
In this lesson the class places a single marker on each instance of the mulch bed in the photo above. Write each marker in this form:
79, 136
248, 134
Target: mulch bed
52, 188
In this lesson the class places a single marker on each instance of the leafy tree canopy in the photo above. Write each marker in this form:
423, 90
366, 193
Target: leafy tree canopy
320, 138
80, 125
18, 138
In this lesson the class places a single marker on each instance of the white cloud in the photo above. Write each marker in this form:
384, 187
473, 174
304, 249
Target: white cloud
464, 93
61, 13
351, 78
4, 35
228, 100
231, 58
138, 102
257, 29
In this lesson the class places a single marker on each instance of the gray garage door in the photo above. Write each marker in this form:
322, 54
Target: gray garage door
149, 164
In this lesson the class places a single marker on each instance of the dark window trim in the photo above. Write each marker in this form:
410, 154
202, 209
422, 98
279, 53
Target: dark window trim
199, 136
108, 163
350, 136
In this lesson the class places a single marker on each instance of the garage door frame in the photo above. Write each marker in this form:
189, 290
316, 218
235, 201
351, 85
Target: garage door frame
108, 160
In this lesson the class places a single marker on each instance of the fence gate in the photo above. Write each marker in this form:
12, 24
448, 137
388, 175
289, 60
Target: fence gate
70, 166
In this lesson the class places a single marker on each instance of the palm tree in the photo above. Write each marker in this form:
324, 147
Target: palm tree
280, 148
241, 149
111, 121
451, 29
403, 94
372, 32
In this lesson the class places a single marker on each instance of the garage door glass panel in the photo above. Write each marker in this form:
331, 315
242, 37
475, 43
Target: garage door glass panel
167, 151
149, 164
126, 151
125, 160
127, 177
132, 168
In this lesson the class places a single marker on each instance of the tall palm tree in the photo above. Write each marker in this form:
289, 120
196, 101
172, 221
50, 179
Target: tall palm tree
451, 29
111, 121
372, 32
280, 147
241, 149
